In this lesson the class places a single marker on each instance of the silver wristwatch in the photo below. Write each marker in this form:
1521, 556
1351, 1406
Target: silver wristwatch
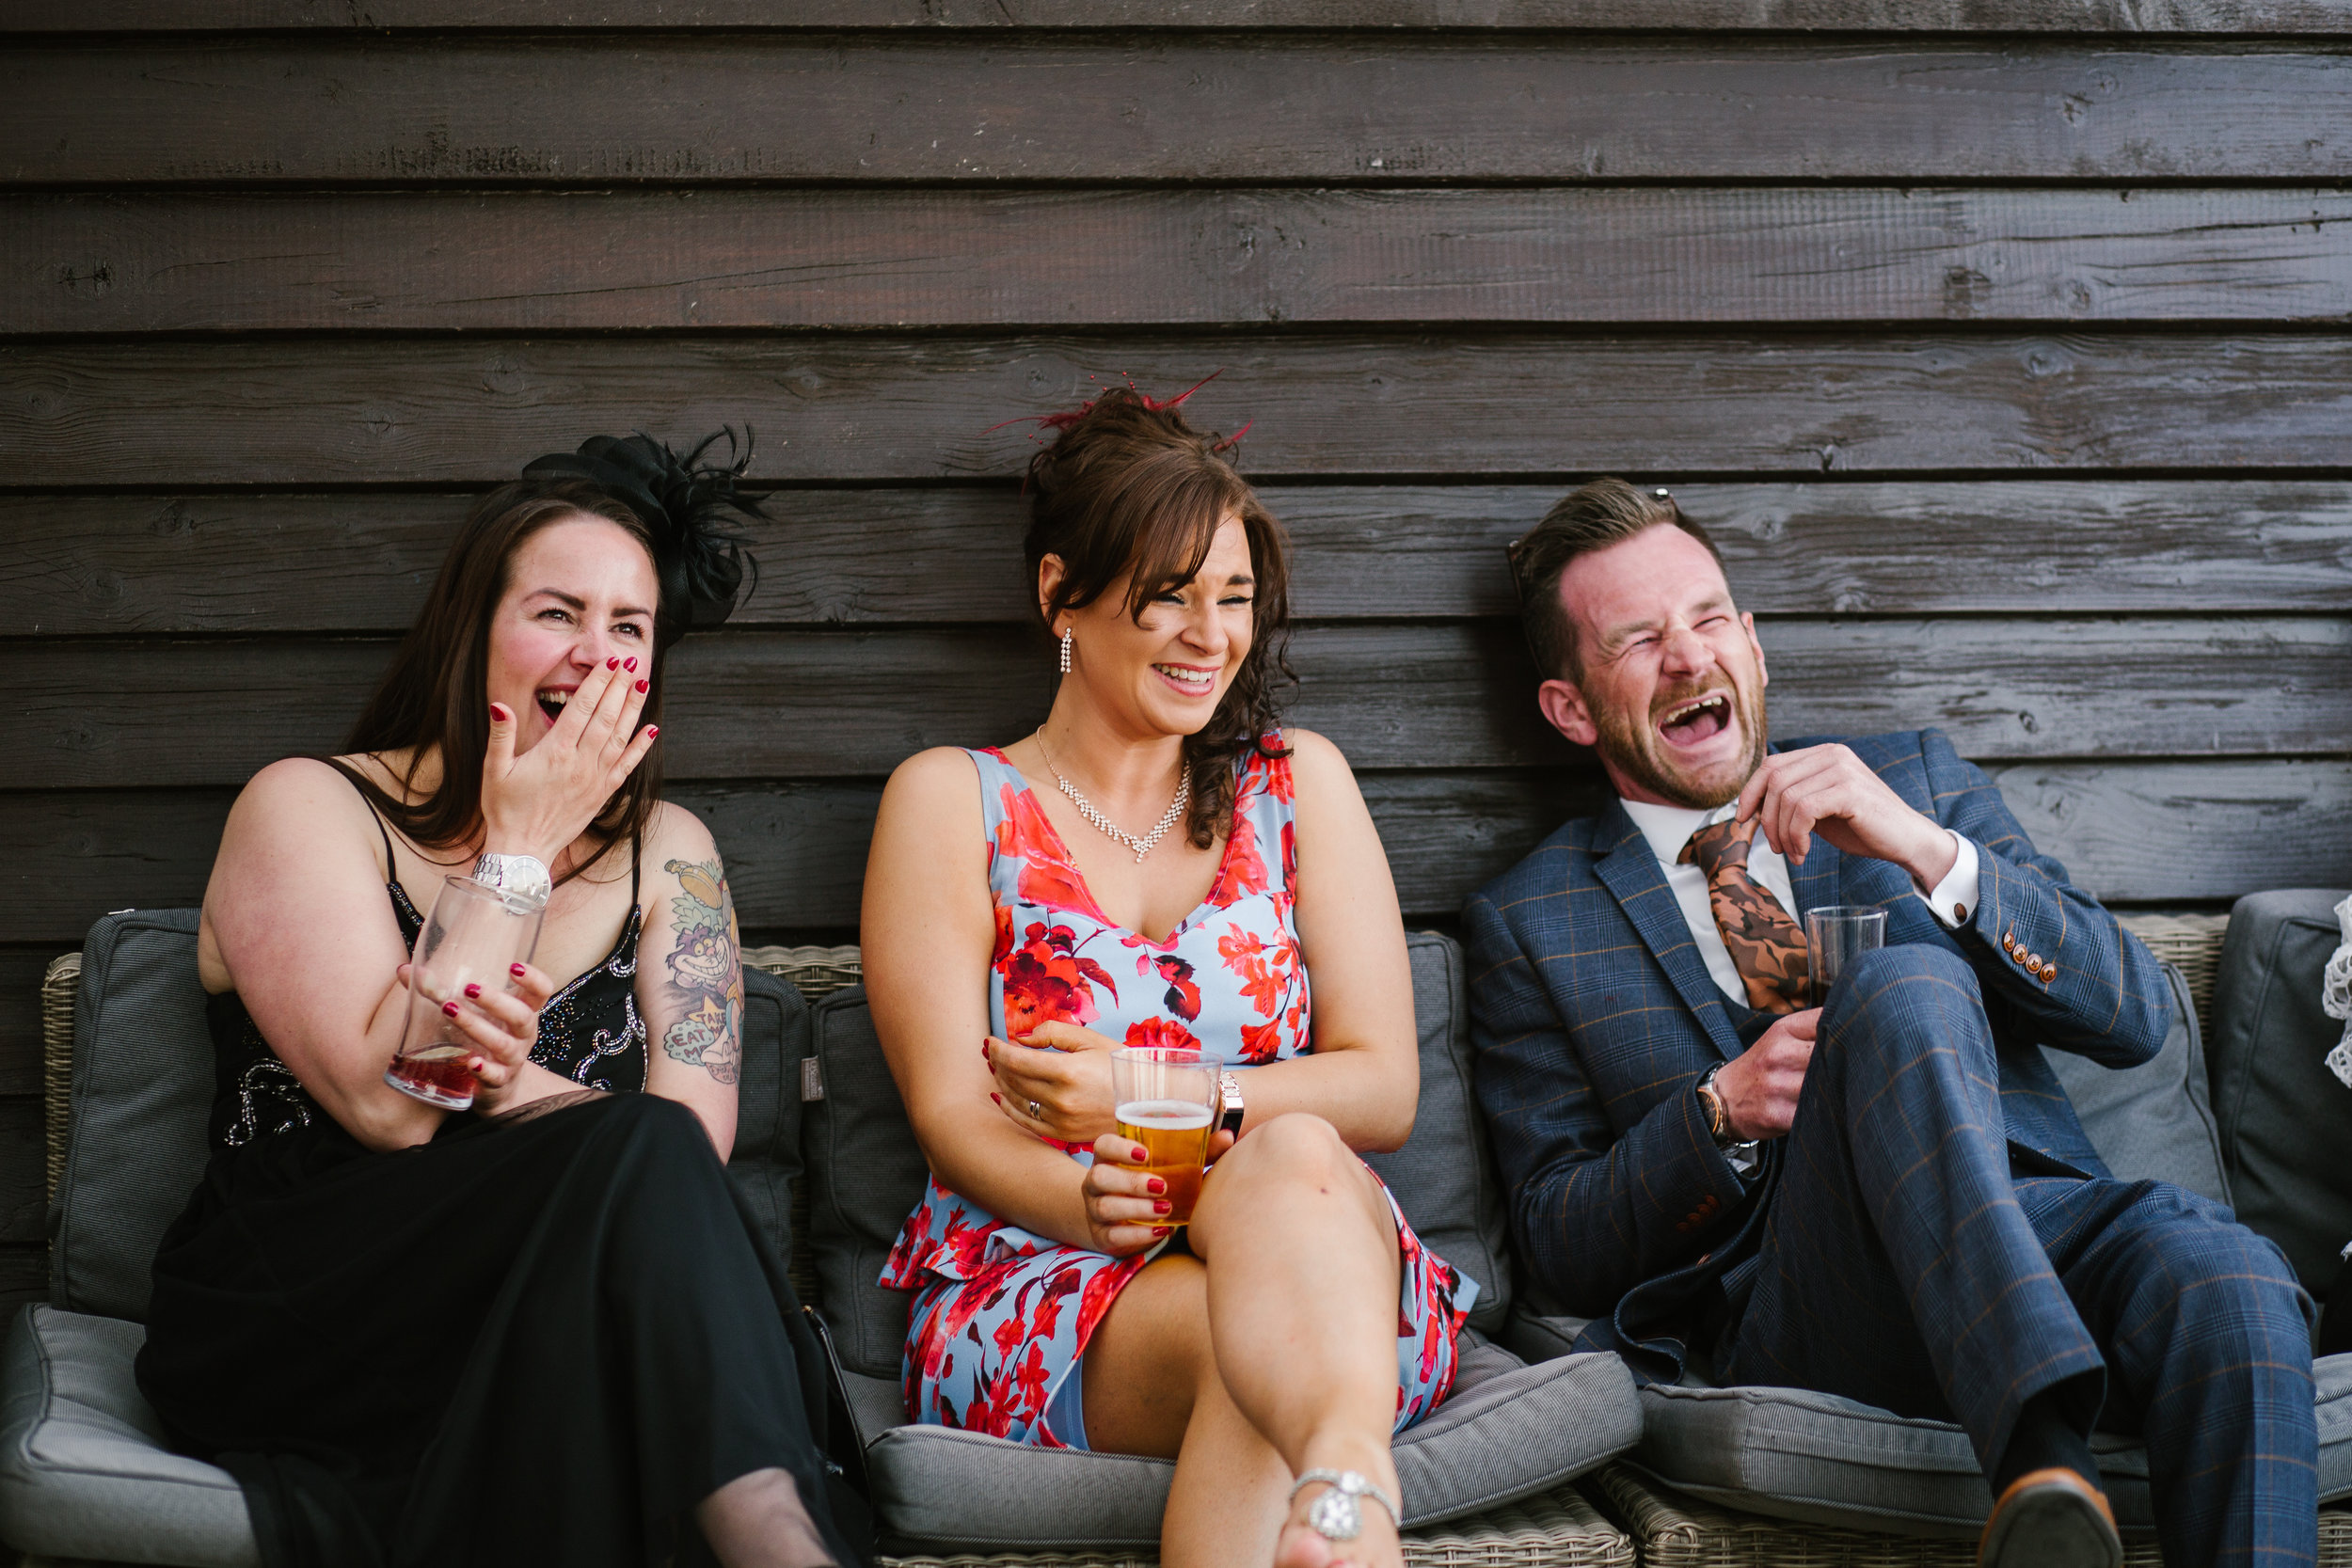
523, 876
1229, 1097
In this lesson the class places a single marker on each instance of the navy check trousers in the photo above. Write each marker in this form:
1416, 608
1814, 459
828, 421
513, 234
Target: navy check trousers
1912, 1259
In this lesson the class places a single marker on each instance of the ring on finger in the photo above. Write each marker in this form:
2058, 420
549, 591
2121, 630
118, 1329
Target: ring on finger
1037, 1111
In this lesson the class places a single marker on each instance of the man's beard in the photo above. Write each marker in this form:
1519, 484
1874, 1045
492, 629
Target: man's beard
1630, 747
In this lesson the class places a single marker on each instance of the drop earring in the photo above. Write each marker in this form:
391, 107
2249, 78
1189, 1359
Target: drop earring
1065, 650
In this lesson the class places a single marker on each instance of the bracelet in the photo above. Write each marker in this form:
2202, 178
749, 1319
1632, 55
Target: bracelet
523, 876
1335, 1515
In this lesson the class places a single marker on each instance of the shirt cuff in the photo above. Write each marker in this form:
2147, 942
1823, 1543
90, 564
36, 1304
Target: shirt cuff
1954, 898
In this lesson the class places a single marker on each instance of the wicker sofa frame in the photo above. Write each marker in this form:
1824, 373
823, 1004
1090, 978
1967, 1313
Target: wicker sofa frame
1612, 1519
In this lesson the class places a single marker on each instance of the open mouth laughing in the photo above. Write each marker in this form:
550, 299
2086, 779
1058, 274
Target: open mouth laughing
1185, 678
1697, 721
552, 700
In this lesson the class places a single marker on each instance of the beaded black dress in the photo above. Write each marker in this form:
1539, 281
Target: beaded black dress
539, 1337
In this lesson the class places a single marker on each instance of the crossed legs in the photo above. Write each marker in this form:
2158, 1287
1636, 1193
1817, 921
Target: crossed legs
1270, 1352
1906, 1265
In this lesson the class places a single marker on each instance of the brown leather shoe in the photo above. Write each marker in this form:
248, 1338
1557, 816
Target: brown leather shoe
2050, 1518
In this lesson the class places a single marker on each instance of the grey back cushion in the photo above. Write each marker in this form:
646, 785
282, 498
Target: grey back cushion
2152, 1122
767, 1159
865, 1175
143, 1088
2282, 1114
1443, 1177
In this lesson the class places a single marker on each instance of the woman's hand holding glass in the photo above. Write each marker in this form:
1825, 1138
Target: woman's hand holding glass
503, 1030
1064, 1071
537, 803
1127, 1209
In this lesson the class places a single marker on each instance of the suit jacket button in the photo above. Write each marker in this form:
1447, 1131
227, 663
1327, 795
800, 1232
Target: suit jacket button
2049, 972
2009, 941
2033, 961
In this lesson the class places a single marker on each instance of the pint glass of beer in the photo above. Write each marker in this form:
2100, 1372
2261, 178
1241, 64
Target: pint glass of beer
1165, 1099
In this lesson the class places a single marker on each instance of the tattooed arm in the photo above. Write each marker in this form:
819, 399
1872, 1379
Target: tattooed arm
689, 978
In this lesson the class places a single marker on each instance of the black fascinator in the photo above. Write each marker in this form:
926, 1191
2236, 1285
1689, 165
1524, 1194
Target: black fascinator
683, 502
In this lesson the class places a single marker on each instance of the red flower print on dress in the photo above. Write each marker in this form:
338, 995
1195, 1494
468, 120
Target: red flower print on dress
1048, 876
1003, 935
1278, 780
1184, 996
1261, 1042
1241, 873
1289, 854
1158, 1033
1047, 980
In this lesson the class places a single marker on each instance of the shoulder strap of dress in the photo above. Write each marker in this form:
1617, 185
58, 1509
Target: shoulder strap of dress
391, 867
636, 866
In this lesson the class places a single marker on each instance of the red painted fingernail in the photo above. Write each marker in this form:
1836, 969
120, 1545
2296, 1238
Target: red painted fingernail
652, 730
1161, 1206
630, 664
1153, 1184
1136, 1156
515, 970
450, 1007
498, 714
640, 689
998, 1098
473, 991
1163, 1230
612, 664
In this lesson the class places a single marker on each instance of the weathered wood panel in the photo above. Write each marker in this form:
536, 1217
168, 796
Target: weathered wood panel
23, 1176
2138, 831
528, 261
2028, 16
451, 411
803, 705
683, 109
81, 566
20, 969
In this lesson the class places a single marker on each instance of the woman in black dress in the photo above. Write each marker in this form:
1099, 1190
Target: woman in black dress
545, 1330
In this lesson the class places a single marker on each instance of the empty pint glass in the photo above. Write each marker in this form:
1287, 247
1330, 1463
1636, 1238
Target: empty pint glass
1165, 1099
1837, 934
474, 937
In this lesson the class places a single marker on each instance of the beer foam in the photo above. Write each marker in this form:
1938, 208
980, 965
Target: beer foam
1164, 1116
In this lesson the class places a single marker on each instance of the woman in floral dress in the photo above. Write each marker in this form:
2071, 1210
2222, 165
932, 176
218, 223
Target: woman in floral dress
1022, 917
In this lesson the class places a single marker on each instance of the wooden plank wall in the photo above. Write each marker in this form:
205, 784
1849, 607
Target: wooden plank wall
2002, 340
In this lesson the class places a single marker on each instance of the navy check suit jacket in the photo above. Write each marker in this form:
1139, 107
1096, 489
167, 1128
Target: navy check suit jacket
1593, 1016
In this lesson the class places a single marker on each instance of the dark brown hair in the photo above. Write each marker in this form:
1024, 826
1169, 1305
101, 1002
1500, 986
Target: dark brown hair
1129, 489
436, 696
1590, 517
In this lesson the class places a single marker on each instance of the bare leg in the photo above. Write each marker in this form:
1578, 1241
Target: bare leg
1273, 1356
757, 1521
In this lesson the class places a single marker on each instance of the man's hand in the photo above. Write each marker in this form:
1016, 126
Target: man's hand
1759, 1087
1828, 790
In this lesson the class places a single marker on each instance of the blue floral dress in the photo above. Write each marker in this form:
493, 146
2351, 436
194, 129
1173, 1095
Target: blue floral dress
1001, 1315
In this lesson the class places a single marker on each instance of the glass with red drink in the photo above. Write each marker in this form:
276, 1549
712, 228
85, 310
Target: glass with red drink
474, 937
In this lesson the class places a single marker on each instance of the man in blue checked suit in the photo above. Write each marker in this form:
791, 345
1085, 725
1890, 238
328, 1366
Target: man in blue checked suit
1889, 1198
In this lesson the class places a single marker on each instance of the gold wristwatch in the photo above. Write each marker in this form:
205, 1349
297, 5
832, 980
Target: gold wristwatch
1718, 1114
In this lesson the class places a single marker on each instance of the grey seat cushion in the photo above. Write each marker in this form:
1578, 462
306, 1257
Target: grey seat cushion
2282, 1114
1825, 1460
2154, 1121
1444, 1178
143, 1087
84, 1471
1507, 1431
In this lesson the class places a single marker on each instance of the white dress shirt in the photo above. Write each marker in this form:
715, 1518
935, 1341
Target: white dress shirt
1669, 828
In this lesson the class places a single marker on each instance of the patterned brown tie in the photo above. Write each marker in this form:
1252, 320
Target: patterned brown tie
1766, 946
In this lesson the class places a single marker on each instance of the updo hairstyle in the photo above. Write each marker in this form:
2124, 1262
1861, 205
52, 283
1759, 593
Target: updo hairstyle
1128, 490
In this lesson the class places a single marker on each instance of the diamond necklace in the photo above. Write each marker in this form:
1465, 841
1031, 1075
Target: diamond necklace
1110, 829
